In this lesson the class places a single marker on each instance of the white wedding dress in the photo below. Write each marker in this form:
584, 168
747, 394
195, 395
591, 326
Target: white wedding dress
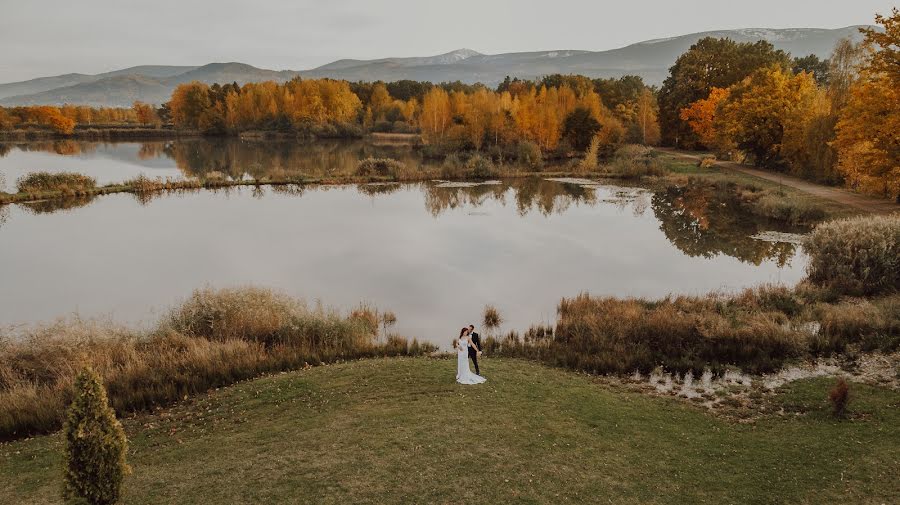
463, 374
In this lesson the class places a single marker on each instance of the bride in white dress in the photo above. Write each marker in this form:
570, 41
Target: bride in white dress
463, 374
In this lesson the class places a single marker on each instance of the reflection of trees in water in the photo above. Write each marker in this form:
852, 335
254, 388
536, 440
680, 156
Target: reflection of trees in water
151, 150
58, 204
531, 194
375, 189
701, 221
275, 158
4, 214
61, 147
441, 198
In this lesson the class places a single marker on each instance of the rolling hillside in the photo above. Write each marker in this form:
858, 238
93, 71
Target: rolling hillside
650, 60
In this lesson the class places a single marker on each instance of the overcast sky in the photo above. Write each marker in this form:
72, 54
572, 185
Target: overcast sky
40, 37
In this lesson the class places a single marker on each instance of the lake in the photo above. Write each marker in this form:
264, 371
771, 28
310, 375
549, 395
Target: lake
434, 253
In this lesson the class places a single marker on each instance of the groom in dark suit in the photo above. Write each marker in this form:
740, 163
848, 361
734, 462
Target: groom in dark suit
475, 350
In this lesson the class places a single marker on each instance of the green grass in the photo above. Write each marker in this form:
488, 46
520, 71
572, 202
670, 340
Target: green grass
401, 431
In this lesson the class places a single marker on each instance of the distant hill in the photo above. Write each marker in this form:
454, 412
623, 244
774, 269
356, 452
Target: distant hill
123, 87
650, 59
42, 84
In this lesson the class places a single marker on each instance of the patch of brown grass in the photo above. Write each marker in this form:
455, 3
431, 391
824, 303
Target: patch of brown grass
214, 338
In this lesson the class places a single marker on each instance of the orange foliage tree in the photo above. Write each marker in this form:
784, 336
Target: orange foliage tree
701, 115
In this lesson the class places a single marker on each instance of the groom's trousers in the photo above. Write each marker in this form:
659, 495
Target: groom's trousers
474, 357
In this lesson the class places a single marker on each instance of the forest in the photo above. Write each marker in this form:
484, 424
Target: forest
832, 121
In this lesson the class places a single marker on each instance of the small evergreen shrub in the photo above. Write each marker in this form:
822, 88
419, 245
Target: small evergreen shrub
95, 446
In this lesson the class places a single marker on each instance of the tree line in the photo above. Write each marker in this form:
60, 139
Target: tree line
63, 119
834, 120
557, 112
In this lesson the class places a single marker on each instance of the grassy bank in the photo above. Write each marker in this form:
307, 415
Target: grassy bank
401, 431
212, 339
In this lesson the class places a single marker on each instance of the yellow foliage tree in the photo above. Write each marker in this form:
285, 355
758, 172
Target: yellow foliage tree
435, 116
868, 130
757, 111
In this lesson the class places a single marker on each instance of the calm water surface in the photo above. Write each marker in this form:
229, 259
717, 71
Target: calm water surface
433, 253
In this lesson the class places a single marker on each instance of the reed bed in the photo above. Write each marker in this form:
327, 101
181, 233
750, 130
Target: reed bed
212, 339
858, 256
759, 330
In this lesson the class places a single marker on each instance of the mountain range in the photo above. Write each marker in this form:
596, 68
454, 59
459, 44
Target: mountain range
650, 60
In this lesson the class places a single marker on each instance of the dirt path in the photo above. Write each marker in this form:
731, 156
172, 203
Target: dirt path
843, 196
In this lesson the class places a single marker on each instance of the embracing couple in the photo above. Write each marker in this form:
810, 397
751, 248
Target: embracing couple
468, 345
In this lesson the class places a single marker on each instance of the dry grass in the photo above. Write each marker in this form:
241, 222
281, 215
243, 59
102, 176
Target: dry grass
634, 162
491, 318
214, 338
382, 167
857, 256
758, 330
68, 183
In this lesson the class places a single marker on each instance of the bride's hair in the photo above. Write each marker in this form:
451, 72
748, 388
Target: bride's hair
463, 331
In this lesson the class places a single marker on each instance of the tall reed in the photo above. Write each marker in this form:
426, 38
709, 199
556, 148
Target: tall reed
214, 338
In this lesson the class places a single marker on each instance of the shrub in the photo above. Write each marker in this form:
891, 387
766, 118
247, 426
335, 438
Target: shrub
856, 256
67, 182
839, 396
778, 206
589, 162
529, 154
95, 446
462, 166
634, 161
383, 167
707, 162
480, 167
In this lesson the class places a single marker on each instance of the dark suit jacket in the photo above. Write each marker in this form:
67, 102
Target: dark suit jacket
476, 339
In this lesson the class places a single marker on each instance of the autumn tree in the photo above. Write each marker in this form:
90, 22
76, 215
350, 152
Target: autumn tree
189, 105
646, 118
379, 101
580, 127
701, 117
867, 138
812, 64
759, 109
710, 63
435, 116
146, 114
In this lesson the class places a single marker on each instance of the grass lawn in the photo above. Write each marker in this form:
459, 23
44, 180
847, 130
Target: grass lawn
401, 431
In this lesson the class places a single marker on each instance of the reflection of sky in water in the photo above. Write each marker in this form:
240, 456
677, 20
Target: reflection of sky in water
105, 162
429, 254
